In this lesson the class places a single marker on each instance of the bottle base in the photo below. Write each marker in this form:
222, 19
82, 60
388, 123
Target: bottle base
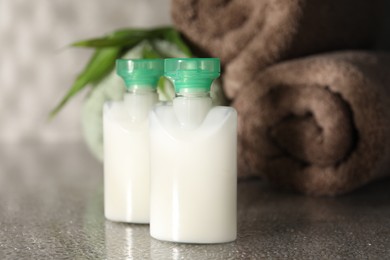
194, 241
128, 221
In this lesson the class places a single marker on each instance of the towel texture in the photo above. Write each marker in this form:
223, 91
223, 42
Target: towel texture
252, 34
320, 124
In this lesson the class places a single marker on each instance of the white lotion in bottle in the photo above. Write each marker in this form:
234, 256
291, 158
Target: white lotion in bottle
193, 159
126, 142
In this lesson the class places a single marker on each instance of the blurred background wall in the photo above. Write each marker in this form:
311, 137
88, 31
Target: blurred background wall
36, 69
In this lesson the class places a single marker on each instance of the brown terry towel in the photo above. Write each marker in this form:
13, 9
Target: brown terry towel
319, 125
249, 35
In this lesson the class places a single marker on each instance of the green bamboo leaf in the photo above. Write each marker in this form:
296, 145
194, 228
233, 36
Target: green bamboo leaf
104, 43
148, 52
129, 41
124, 38
174, 37
162, 87
98, 66
110, 47
139, 32
132, 32
152, 51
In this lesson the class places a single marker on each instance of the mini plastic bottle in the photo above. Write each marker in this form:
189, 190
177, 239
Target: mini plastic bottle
126, 142
193, 159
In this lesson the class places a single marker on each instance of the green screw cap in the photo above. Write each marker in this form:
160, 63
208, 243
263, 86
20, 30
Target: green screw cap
192, 74
140, 72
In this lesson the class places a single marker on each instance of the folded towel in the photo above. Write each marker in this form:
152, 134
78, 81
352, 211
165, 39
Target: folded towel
319, 125
252, 34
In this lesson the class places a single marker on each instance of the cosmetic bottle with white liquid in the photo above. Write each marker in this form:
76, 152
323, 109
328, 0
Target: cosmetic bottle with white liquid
193, 159
126, 142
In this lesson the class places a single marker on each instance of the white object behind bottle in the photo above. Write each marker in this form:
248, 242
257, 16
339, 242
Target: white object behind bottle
126, 142
126, 158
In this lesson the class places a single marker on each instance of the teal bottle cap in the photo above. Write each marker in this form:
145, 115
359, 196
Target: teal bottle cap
192, 74
140, 72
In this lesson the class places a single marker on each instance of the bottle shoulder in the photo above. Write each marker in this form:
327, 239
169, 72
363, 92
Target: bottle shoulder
218, 119
130, 112
167, 107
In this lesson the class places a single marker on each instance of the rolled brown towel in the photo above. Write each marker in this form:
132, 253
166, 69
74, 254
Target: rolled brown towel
249, 35
319, 125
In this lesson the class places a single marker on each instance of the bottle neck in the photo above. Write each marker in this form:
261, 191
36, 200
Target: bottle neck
192, 88
191, 108
138, 101
141, 89
193, 95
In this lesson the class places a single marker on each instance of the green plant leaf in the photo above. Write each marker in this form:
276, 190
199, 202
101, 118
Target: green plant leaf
129, 41
149, 52
98, 66
124, 38
162, 87
130, 37
110, 47
174, 37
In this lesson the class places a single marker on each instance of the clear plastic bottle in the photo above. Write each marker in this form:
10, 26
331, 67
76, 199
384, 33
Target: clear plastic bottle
193, 159
126, 142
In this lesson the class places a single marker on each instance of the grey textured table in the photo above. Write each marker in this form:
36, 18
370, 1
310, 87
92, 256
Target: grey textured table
51, 207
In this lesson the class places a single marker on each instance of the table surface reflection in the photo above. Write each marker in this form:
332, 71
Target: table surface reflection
51, 207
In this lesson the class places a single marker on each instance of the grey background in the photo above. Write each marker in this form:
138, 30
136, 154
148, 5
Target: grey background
36, 69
